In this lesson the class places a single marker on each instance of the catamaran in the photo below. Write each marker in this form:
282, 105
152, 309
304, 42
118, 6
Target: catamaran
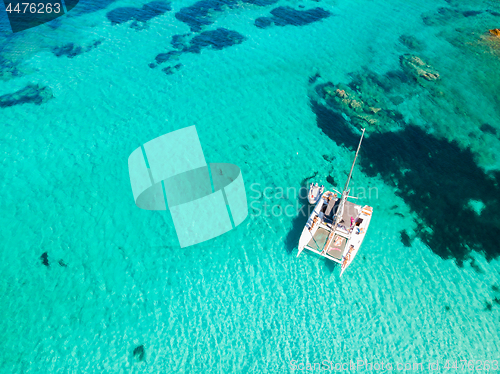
337, 227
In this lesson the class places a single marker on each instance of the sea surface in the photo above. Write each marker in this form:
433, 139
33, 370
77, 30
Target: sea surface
87, 278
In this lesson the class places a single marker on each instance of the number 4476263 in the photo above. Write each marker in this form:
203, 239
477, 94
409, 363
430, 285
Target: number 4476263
34, 8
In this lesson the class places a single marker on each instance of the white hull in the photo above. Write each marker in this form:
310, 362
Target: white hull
349, 236
336, 227
315, 193
357, 237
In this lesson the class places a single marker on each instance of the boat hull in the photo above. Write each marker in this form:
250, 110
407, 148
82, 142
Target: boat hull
357, 237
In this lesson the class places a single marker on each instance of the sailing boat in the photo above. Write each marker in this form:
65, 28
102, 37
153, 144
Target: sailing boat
337, 227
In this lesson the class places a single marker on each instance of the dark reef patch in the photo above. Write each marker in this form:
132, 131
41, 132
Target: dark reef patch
62, 263
314, 78
216, 39
488, 129
169, 70
405, 238
213, 39
139, 353
32, 93
8, 69
70, 50
202, 12
445, 15
163, 57
45, 259
285, 15
180, 41
143, 14
331, 180
472, 13
435, 177
412, 42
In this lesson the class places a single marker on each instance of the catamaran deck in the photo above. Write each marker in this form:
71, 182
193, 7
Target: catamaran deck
320, 237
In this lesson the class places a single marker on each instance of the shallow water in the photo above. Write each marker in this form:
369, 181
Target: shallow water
421, 289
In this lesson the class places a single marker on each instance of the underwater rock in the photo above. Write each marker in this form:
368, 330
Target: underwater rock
62, 263
345, 100
411, 42
202, 13
163, 57
70, 50
472, 13
143, 14
8, 69
139, 353
45, 259
442, 16
488, 129
495, 32
181, 41
263, 22
331, 180
314, 78
416, 68
169, 70
214, 39
405, 238
285, 15
32, 93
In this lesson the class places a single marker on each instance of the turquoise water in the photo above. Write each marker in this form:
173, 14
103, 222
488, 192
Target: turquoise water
425, 285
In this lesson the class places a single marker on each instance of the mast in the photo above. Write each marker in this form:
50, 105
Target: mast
345, 192
345, 195
355, 157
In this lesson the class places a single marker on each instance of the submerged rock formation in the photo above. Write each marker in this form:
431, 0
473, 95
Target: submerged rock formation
346, 101
71, 50
203, 12
143, 14
495, 32
411, 42
285, 15
32, 93
139, 353
415, 67
45, 259
212, 39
